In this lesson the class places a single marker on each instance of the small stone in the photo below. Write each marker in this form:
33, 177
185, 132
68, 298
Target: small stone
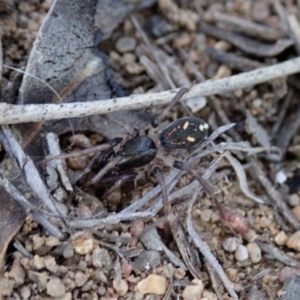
50, 264
102, 259
101, 291
40, 279
137, 227
260, 11
69, 283
68, 251
296, 212
80, 140
280, 177
100, 276
293, 241
138, 296
147, 260
250, 236
88, 286
126, 44
238, 93
60, 195
52, 241
193, 292
25, 292
264, 222
6, 286
37, 241
82, 265
254, 252
157, 26
257, 102
232, 274
222, 72
231, 244
207, 295
77, 162
120, 286
287, 272
17, 273
55, 287
215, 217
38, 262
83, 245
280, 238
67, 296
153, 284
126, 268
128, 59
205, 215
294, 200
182, 40
241, 253
196, 104
179, 273
80, 278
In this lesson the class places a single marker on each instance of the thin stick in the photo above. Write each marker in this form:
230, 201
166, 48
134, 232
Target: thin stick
205, 251
13, 114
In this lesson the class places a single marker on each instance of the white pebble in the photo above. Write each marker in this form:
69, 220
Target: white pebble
281, 177
231, 244
196, 104
294, 200
254, 252
55, 287
193, 292
153, 284
241, 253
280, 238
293, 241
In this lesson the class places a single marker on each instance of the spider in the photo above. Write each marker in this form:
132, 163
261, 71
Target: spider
139, 150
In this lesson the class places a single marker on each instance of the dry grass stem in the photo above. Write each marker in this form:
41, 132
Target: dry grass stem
14, 114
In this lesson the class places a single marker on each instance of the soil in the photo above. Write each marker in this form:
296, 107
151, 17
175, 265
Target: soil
252, 223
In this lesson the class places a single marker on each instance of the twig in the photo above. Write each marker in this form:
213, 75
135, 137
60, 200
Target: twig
32, 175
249, 28
152, 241
38, 214
288, 130
13, 114
275, 253
282, 113
210, 258
274, 194
161, 66
241, 176
58, 165
111, 219
289, 28
215, 281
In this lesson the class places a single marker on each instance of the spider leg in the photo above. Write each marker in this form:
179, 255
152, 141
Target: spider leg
189, 256
102, 147
131, 131
123, 179
233, 219
109, 166
173, 102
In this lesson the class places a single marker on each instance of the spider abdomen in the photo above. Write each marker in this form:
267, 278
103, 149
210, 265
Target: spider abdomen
184, 133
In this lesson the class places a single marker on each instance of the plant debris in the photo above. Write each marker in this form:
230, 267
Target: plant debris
220, 220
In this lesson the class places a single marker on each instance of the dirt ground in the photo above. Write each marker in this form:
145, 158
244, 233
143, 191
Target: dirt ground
231, 230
